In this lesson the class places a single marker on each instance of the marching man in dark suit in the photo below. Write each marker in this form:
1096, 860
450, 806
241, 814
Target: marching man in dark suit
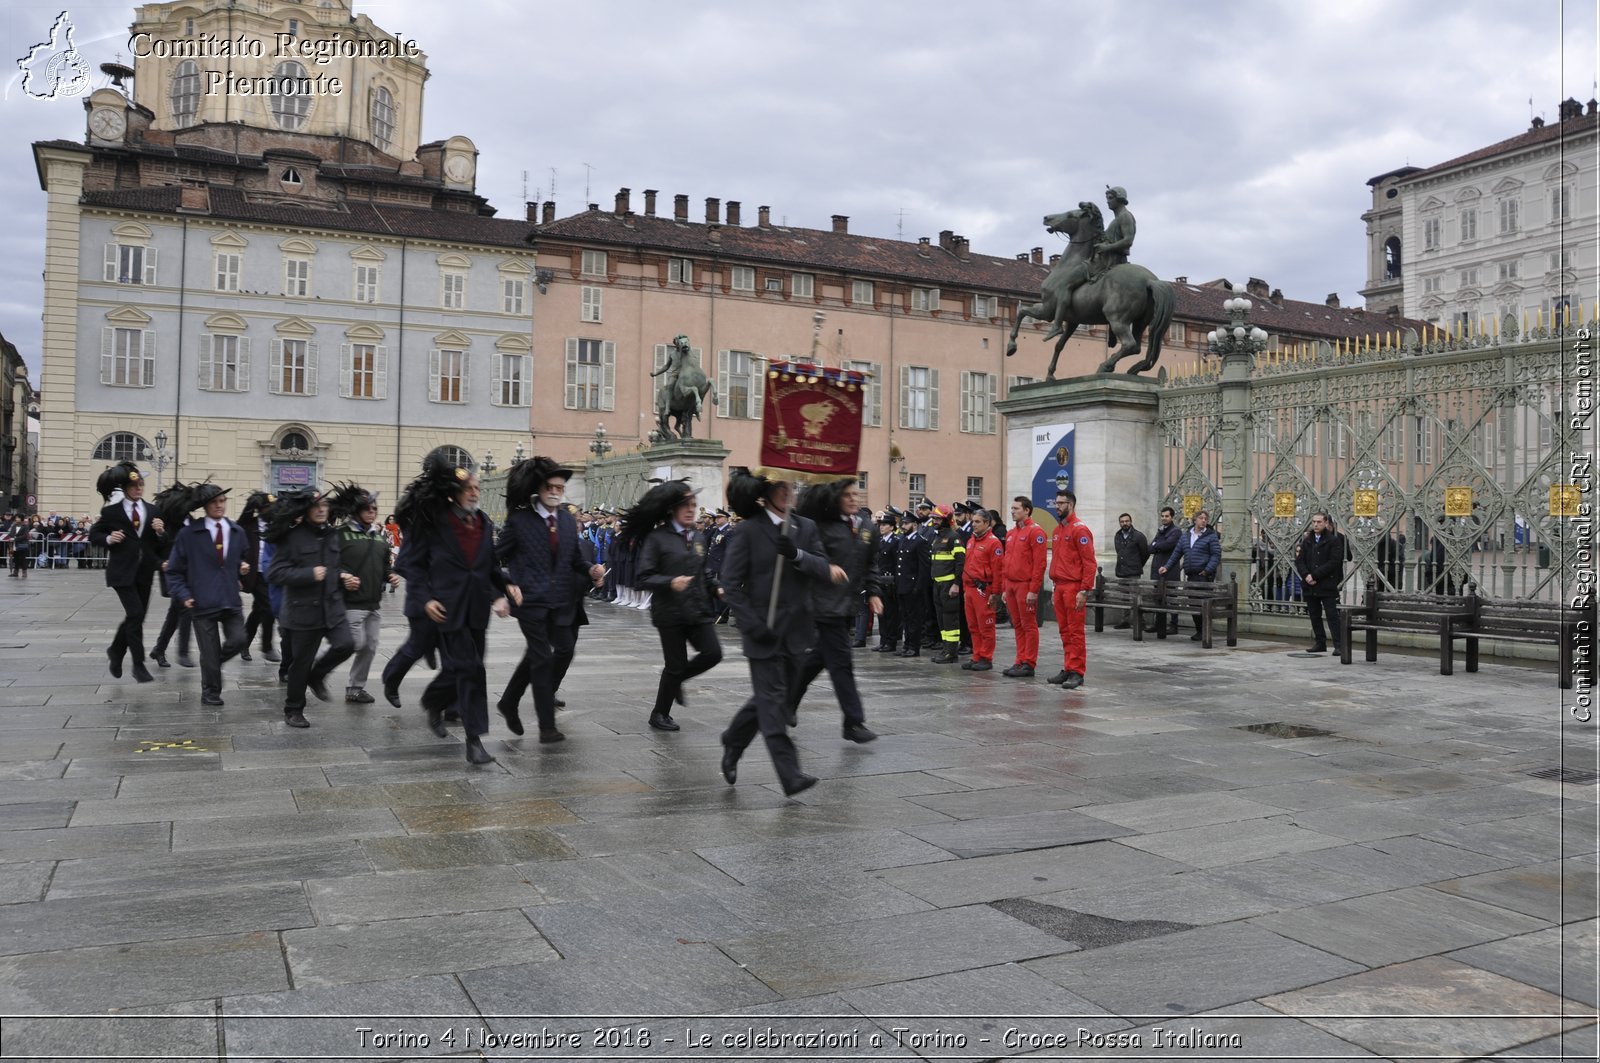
539, 547
777, 651
131, 533
305, 563
203, 573
449, 560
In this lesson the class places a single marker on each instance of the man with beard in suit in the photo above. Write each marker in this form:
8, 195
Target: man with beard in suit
131, 534
768, 537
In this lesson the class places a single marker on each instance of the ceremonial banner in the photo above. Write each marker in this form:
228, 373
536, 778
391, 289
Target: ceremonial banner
811, 420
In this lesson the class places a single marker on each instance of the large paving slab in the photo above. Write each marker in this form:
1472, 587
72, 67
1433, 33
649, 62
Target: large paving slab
1111, 860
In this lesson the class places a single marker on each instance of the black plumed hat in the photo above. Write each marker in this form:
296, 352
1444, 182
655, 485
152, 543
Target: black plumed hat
204, 493
654, 508
426, 498
116, 478
255, 505
290, 508
820, 502
348, 499
746, 492
174, 503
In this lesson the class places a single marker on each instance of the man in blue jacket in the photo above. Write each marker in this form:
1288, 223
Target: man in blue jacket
1200, 551
203, 573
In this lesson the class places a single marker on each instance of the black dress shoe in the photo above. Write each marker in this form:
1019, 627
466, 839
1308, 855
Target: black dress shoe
909, 653
551, 735
391, 695
512, 716
476, 754
295, 718
561, 704
161, 659
965, 651
116, 663
141, 673
244, 654
979, 666
1317, 649
318, 687
798, 784
185, 660
358, 696
1195, 637
270, 654
662, 722
886, 647
436, 723
858, 643
946, 657
210, 699
730, 764
858, 732
1059, 677
1072, 682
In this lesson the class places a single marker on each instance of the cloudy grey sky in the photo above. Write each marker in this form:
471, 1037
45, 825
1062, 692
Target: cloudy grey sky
1244, 131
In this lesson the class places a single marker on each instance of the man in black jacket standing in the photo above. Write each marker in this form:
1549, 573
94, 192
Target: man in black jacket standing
766, 538
131, 533
1161, 547
851, 543
1133, 550
305, 563
1320, 563
672, 568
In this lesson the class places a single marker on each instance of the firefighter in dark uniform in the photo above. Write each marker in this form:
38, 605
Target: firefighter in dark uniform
716, 549
912, 563
963, 522
946, 557
888, 561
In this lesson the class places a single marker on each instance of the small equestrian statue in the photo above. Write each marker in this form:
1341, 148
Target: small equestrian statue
682, 395
1095, 284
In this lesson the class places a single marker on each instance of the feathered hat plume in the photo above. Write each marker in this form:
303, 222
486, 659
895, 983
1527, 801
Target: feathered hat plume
426, 498
653, 509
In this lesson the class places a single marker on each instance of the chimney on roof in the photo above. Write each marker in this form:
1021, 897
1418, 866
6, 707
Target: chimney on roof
1538, 123
764, 217
922, 246
594, 208
623, 205
733, 212
947, 239
1180, 280
1276, 298
713, 212
1333, 300
549, 209
841, 223
962, 245
1054, 259
1593, 104
533, 211
1036, 256
680, 208
1257, 287
1570, 109
1022, 256
649, 202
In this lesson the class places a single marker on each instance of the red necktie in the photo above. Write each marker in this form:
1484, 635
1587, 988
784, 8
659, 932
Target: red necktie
688, 537
219, 542
553, 540
136, 518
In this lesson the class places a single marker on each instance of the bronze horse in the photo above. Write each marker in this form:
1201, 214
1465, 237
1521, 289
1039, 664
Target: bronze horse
685, 402
1128, 298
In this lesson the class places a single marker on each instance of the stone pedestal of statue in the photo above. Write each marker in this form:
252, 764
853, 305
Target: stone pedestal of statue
615, 482
1094, 434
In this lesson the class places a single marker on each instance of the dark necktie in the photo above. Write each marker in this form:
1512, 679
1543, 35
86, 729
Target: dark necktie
136, 519
219, 542
688, 537
551, 520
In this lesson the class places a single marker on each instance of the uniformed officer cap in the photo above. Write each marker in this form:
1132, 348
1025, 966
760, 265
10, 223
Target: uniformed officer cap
974, 506
960, 507
722, 513
924, 503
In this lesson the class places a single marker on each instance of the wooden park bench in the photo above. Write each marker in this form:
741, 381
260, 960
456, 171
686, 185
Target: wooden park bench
1131, 596
1214, 600
1560, 624
1431, 614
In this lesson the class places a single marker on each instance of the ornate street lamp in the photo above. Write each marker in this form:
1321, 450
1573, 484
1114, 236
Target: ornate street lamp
488, 462
521, 454
601, 446
160, 457
1238, 337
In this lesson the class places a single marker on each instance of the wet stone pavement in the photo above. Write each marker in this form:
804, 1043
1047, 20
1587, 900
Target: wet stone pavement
1011, 871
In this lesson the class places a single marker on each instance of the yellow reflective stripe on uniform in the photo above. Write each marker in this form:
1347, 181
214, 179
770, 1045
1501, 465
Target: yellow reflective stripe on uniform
944, 579
944, 557
950, 635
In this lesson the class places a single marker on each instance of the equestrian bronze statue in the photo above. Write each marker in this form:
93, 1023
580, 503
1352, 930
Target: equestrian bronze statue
682, 395
1095, 284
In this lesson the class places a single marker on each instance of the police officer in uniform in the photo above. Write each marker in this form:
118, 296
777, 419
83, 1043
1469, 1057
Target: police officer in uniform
912, 579
888, 562
716, 549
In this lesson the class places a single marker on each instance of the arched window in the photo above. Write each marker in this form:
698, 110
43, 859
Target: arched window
1391, 258
120, 446
382, 118
460, 458
294, 441
185, 93
291, 97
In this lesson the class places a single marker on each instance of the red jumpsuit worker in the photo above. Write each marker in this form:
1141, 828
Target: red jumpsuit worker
1072, 570
1024, 564
984, 577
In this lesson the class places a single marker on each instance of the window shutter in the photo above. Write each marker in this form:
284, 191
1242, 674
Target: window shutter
149, 265
572, 374
311, 368
108, 340
661, 356
905, 397
933, 298
722, 377
111, 263
243, 378
933, 400
525, 380
380, 374
758, 385
346, 371
147, 345
497, 393
466, 376
433, 375
275, 368
994, 386
205, 361
608, 376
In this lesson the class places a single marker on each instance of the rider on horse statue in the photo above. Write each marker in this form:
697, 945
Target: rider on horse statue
682, 395
1110, 250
